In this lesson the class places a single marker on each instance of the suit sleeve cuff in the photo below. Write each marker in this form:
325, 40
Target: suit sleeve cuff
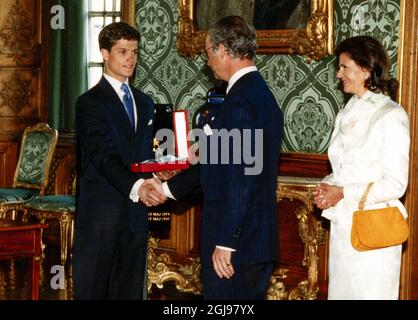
167, 191
226, 248
134, 195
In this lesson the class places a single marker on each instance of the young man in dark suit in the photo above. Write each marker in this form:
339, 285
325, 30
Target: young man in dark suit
114, 127
239, 243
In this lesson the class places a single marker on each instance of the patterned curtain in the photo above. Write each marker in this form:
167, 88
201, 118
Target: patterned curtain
68, 64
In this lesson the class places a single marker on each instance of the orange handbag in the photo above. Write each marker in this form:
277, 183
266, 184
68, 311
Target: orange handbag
377, 228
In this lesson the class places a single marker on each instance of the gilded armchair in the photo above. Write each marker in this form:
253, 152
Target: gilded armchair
59, 206
31, 174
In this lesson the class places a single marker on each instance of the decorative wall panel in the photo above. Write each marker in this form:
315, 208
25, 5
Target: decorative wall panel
18, 89
308, 93
20, 63
23, 60
19, 32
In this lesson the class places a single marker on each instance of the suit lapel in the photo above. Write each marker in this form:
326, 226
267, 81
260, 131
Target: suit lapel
118, 112
140, 112
142, 123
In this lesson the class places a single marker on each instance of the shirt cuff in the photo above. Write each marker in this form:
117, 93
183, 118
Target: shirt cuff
167, 191
134, 195
226, 248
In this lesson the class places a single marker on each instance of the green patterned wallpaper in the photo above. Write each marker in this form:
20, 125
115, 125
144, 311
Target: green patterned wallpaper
308, 93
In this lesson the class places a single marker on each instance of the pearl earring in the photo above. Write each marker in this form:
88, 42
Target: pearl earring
366, 76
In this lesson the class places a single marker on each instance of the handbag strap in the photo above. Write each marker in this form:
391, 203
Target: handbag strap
363, 199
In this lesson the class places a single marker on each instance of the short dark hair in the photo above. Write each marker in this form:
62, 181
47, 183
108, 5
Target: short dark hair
238, 37
115, 31
369, 53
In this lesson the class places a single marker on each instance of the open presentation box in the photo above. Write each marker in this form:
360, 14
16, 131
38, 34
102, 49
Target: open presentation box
179, 161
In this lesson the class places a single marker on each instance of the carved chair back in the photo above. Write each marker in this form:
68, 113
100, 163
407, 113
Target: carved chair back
37, 148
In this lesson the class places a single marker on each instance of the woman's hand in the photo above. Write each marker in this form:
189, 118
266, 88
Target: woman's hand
326, 196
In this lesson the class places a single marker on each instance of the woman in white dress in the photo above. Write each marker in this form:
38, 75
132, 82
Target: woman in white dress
370, 143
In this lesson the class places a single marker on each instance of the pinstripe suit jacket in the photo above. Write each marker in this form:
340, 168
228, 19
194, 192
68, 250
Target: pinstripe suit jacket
239, 209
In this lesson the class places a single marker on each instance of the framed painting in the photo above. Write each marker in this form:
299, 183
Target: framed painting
304, 27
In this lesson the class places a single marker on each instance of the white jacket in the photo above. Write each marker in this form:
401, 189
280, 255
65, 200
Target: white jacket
370, 142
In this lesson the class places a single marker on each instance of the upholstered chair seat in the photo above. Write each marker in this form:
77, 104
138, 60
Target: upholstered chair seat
31, 174
61, 203
16, 195
60, 208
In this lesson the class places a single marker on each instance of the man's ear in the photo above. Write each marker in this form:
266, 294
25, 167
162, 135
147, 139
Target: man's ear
105, 54
222, 49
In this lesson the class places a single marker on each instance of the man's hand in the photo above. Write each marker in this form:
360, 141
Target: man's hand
222, 263
151, 193
166, 174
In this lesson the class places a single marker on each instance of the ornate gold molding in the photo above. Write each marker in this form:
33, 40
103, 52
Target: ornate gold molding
315, 42
408, 98
277, 289
311, 231
162, 269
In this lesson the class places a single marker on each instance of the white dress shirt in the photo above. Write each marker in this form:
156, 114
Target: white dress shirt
117, 86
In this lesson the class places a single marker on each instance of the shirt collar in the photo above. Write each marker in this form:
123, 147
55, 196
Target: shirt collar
237, 75
116, 84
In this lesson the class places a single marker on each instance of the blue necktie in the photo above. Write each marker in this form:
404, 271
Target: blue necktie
128, 104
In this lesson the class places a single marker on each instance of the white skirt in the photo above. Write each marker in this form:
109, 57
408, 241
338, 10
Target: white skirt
360, 275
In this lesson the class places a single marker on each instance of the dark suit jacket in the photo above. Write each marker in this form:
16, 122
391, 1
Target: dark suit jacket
239, 210
107, 147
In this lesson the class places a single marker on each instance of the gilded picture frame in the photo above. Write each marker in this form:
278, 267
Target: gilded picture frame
315, 41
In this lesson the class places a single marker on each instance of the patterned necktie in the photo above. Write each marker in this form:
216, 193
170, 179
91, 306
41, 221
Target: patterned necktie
128, 104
